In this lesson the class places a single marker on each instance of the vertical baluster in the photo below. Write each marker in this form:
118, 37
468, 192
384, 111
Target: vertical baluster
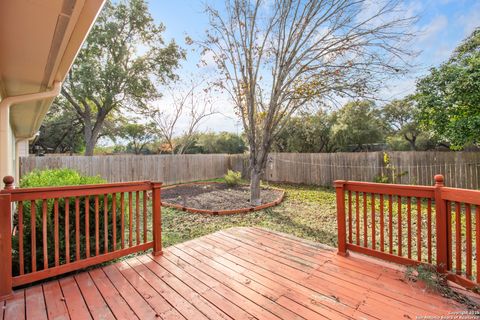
409, 227
382, 225
449, 235
44, 234
130, 213
458, 239
137, 216
399, 216
105, 223
429, 230
55, 232
87, 226
390, 223
365, 221
372, 197
20, 238
357, 217
114, 220
419, 229
468, 231
145, 216
77, 229
122, 219
349, 216
33, 216
67, 230
477, 241
97, 227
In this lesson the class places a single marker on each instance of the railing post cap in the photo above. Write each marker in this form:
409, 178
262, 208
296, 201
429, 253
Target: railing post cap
8, 181
339, 183
439, 179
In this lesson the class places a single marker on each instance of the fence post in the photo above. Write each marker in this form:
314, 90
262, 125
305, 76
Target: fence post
5, 247
157, 218
442, 226
341, 227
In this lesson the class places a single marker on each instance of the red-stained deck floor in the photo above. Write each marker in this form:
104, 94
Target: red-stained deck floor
240, 273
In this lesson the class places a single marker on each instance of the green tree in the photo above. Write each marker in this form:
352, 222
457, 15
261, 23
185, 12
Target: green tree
137, 135
61, 131
118, 68
449, 97
223, 142
400, 118
357, 125
307, 133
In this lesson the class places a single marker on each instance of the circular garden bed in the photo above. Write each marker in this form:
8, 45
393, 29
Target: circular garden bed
217, 198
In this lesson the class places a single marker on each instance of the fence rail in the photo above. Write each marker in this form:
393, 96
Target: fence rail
461, 169
61, 229
412, 225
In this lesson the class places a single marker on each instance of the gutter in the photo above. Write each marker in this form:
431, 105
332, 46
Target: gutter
6, 154
52, 93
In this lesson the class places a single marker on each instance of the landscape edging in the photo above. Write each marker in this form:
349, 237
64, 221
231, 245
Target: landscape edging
221, 212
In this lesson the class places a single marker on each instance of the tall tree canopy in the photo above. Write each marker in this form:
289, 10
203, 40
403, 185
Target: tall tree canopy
117, 70
449, 97
401, 118
275, 56
357, 125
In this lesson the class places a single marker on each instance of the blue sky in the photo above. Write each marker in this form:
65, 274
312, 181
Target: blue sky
443, 24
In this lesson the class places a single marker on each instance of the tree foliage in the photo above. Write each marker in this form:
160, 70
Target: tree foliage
137, 136
119, 67
61, 131
357, 125
401, 117
307, 133
449, 97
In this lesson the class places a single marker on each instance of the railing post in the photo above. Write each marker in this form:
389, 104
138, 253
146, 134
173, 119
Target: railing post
441, 226
5, 247
341, 218
157, 218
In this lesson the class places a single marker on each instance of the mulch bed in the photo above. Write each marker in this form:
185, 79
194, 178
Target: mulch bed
217, 198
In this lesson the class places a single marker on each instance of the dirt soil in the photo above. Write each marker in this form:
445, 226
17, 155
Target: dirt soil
215, 196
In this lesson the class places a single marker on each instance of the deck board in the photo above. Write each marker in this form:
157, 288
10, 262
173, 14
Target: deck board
239, 273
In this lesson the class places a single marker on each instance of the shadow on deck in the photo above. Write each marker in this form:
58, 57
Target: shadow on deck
240, 273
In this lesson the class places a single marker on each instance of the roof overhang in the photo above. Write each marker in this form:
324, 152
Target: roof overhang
39, 41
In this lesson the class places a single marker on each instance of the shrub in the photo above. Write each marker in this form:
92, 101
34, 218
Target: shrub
62, 177
232, 178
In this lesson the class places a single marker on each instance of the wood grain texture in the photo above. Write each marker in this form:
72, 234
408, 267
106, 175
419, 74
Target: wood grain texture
239, 273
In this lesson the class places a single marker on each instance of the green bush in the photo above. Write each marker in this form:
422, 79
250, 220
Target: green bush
62, 177
232, 178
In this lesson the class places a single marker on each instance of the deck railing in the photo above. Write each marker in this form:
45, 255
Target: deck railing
56, 230
412, 225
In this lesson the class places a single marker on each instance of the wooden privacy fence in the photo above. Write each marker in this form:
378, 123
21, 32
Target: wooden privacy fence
412, 225
62, 229
169, 169
461, 169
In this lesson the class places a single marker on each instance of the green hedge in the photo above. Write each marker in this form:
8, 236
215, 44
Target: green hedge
62, 177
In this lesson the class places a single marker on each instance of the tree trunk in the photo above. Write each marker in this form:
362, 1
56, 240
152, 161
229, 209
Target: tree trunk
89, 147
255, 199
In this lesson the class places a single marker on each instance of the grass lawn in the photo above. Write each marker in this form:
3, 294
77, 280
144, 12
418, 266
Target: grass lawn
307, 212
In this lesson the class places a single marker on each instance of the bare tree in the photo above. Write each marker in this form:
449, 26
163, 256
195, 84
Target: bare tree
275, 56
193, 104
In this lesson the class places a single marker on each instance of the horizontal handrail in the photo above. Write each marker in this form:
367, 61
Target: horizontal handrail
412, 225
21, 194
389, 189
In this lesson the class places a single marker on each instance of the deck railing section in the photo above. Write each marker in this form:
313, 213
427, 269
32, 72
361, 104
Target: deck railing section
56, 230
412, 225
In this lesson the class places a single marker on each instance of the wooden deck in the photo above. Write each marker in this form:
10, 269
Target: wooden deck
240, 273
